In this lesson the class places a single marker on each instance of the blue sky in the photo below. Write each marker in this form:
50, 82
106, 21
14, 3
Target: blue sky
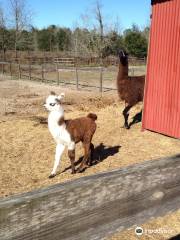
67, 12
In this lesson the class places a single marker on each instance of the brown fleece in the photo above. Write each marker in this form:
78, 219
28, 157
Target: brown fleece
61, 121
71, 154
92, 116
81, 130
130, 89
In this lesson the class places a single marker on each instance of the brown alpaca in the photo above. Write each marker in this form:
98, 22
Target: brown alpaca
81, 130
130, 89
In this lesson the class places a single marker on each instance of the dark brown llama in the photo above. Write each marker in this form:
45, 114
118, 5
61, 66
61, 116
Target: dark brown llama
130, 89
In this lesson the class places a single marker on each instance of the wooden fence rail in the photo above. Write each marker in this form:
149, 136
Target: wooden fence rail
90, 78
96, 206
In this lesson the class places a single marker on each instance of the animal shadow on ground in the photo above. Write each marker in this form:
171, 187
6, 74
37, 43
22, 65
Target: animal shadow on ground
136, 119
177, 237
101, 152
39, 120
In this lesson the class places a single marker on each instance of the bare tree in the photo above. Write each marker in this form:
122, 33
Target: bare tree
2, 31
96, 39
20, 18
99, 18
104, 28
92, 20
99, 26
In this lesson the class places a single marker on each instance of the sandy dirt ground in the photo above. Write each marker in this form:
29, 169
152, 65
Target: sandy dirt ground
27, 148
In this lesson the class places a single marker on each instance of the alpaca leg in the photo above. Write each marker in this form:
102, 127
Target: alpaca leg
59, 150
85, 158
126, 115
71, 154
91, 155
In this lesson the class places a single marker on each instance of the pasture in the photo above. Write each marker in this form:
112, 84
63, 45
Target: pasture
27, 148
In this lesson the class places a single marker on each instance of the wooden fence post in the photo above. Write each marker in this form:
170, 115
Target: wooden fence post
10, 69
57, 70
77, 79
19, 69
101, 80
29, 71
2, 68
42, 72
44, 69
132, 71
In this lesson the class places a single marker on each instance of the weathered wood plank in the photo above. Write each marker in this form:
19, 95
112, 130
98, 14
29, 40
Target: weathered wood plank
94, 207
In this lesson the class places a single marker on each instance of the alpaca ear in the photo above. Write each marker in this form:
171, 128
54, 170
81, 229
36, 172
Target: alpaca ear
61, 96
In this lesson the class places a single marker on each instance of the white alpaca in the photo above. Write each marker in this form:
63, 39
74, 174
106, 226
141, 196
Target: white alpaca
67, 133
59, 132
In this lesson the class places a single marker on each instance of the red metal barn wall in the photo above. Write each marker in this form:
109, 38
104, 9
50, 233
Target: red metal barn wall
162, 90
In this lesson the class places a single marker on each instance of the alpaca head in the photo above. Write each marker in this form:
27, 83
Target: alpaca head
123, 57
53, 102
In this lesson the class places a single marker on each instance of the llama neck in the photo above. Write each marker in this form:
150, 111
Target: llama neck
123, 72
54, 117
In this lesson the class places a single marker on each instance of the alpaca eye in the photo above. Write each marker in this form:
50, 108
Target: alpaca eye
52, 104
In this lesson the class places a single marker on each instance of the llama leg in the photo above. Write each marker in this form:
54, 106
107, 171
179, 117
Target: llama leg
91, 155
71, 154
85, 158
126, 115
136, 119
59, 150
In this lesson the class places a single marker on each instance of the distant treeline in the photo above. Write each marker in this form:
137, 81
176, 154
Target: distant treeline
80, 41
100, 38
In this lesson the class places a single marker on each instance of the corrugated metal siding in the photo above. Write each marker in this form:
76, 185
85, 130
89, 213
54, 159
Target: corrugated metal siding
162, 91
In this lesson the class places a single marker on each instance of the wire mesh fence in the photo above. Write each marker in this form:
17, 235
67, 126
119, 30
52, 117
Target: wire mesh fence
81, 77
